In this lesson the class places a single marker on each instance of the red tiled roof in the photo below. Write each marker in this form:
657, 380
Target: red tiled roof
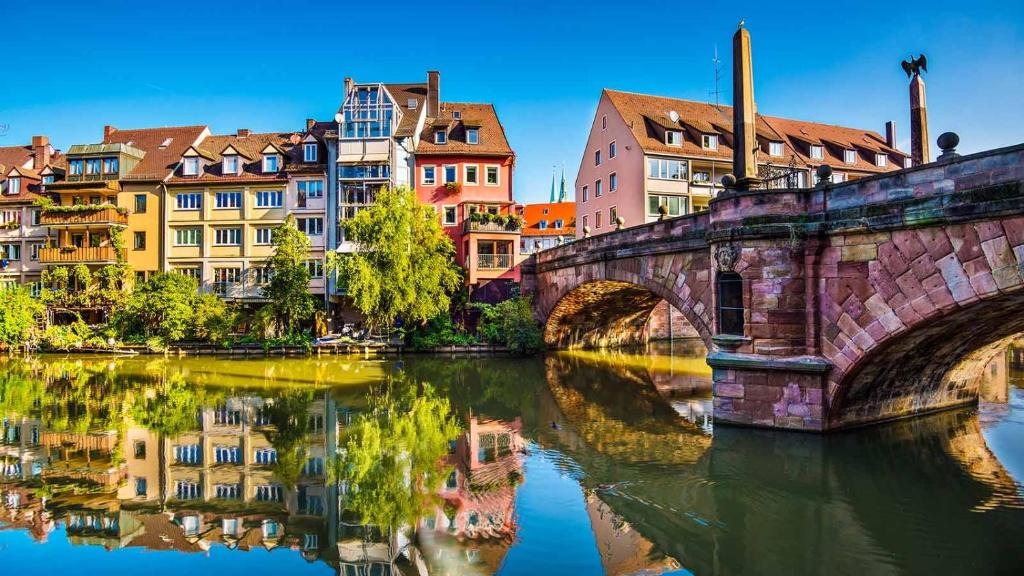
159, 161
564, 211
644, 113
483, 116
249, 146
16, 157
403, 93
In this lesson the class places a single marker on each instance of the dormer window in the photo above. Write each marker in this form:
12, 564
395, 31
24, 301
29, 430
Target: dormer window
440, 137
457, 115
190, 167
411, 104
775, 149
709, 141
850, 156
558, 223
75, 167
110, 165
230, 164
673, 137
542, 224
881, 160
271, 162
14, 185
908, 162
817, 152
472, 135
48, 179
309, 152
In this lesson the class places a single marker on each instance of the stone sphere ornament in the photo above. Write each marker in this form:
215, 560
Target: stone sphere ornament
620, 223
948, 141
824, 173
586, 231
729, 181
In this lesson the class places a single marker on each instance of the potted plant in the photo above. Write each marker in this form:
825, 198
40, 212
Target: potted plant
453, 187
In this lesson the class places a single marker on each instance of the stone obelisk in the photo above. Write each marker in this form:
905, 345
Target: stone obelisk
918, 122
744, 162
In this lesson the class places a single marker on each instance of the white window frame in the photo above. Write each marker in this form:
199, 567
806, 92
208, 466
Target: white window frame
472, 136
299, 185
817, 152
673, 138
277, 195
838, 177
613, 182
263, 230
455, 215
908, 162
597, 157
432, 180
881, 160
444, 173
228, 233
304, 228
850, 156
224, 164
776, 149
598, 188
13, 185
709, 141
585, 193
586, 220
198, 233
598, 220
190, 166
465, 174
198, 196
227, 194
604, 122
440, 137
613, 149
266, 163
306, 155
497, 175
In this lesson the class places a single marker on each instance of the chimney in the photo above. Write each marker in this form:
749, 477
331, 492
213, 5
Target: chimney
309, 124
890, 134
40, 152
918, 122
348, 87
107, 131
433, 93
243, 132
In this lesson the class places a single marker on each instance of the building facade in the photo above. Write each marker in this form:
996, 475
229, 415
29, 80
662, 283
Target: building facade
650, 154
24, 172
547, 225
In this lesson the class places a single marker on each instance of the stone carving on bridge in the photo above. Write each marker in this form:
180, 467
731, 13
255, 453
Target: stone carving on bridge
726, 257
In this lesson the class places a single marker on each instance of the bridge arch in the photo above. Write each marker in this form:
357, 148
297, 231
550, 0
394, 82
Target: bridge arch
914, 333
609, 303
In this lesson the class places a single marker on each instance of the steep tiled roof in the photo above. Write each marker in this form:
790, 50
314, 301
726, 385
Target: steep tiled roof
18, 157
403, 93
248, 146
564, 211
296, 160
159, 160
645, 113
11, 156
483, 116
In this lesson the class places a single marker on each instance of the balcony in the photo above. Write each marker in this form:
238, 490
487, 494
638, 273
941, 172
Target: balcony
83, 216
492, 227
493, 261
76, 255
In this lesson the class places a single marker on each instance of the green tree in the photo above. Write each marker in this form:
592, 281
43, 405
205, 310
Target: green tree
511, 324
405, 266
19, 315
164, 306
288, 289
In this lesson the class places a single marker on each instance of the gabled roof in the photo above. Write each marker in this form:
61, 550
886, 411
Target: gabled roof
159, 160
14, 156
403, 93
480, 116
564, 211
19, 160
647, 116
249, 147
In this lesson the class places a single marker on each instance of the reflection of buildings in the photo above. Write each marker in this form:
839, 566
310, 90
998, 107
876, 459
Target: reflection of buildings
624, 550
473, 530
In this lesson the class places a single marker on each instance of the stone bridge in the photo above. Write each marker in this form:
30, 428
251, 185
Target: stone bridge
821, 308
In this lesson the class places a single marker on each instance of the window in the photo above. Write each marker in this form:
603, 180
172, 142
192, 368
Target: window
95, 200
226, 491
140, 487
191, 272
33, 251
48, 179
665, 169
674, 205
673, 138
227, 454
264, 236
269, 198
558, 223
316, 268
227, 236
265, 456
701, 177
597, 219
586, 193
261, 275
110, 165
92, 166
908, 162
817, 152
190, 167
440, 137
75, 167
314, 467
428, 175
613, 149
850, 156
597, 157
223, 416
543, 224
13, 185
613, 215
709, 141
188, 454
11, 251
224, 279
310, 541
270, 162
189, 201
140, 203
449, 216
881, 160
227, 200
311, 226
450, 173
140, 240
37, 216
311, 188
140, 450
598, 189
230, 164
471, 174
412, 104
613, 182
188, 236
730, 303
456, 114
491, 175
775, 149
362, 172
604, 122
586, 220
838, 177
472, 135
11, 216
269, 493
309, 152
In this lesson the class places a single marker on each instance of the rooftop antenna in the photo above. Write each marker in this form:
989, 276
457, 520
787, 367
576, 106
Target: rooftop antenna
718, 76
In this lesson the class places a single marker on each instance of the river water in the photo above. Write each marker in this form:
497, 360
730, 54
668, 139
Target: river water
574, 463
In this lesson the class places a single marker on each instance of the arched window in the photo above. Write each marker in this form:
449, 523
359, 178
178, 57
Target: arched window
730, 303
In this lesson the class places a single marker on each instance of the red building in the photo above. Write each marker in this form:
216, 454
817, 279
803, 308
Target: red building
463, 166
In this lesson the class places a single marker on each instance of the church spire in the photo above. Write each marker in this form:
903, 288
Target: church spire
552, 200
561, 188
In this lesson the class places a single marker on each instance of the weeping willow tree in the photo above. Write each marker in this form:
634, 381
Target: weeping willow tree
405, 266
393, 455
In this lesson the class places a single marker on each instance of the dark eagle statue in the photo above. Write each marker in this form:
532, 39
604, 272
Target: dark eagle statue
915, 65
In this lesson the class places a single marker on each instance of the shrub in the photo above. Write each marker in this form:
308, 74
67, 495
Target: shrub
510, 323
439, 331
214, 320
19, 315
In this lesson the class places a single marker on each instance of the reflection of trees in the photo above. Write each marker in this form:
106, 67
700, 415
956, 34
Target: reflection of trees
289, 415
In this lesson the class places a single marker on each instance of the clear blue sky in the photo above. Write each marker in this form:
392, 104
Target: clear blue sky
71, 67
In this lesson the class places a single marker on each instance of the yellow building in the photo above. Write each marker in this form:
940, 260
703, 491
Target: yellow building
223, 202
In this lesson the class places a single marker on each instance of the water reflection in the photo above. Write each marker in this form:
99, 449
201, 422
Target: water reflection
594, 463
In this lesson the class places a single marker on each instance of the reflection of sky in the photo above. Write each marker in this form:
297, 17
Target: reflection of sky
59, 557
553, 524
1005, 433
